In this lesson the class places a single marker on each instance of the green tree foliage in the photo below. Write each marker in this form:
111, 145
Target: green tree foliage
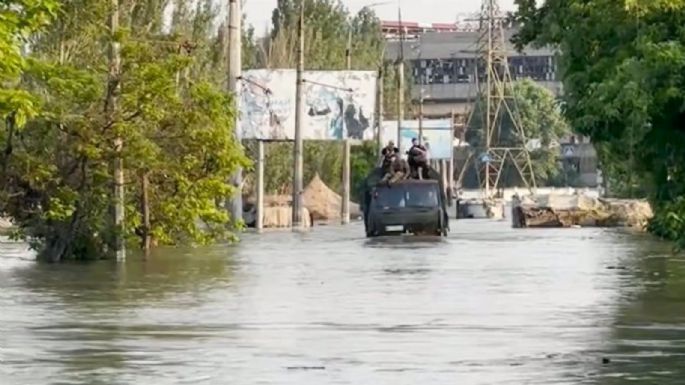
622, 66
175, 118
540, 117
19, 20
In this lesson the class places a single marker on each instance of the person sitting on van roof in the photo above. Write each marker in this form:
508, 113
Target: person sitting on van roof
417, 156
395, 169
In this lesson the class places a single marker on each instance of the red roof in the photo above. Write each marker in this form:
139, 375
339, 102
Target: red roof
444, 25
413, 25
396, 24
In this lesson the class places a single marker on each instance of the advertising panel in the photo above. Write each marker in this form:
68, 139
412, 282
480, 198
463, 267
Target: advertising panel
337, 104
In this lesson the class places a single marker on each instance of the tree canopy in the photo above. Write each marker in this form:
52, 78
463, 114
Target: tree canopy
622, 64
174, 116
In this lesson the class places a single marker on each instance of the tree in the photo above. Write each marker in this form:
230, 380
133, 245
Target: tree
622, 65
20, 20
540, 116
176, 119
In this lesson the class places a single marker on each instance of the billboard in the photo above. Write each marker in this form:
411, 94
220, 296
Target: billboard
437, 136
337, 104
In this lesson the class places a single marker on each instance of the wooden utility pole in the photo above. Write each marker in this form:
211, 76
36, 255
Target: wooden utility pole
299, 121
234, 73
113, 89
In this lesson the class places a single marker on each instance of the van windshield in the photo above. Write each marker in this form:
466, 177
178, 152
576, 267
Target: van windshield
421, 195
392, 197
407, 195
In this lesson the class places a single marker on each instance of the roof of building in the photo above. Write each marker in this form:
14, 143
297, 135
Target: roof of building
446, 45
410, 24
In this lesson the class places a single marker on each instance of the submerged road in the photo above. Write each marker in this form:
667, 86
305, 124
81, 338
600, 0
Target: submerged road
487, 305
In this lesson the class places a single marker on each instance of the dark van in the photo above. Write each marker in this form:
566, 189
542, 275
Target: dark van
409, 206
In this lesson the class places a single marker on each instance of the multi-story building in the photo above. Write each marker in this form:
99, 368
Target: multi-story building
446, 71
443, 67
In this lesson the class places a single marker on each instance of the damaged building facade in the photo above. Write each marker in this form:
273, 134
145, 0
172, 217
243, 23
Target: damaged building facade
443, 71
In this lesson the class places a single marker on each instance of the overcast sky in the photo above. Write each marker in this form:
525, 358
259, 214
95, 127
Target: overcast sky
423, 11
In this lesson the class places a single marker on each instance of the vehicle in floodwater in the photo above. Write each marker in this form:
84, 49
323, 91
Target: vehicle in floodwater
407, 206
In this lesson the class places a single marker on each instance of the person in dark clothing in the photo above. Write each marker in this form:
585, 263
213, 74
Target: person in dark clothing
417, 156
387, 152
395, 169
390, 149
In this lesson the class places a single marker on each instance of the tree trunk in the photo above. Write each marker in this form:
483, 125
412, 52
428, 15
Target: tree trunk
145, 208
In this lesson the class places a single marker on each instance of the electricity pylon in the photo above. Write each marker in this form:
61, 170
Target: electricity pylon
497, 93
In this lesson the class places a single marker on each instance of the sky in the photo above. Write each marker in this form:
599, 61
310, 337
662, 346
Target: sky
422, 11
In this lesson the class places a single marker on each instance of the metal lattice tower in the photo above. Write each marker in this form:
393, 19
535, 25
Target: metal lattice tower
497, 93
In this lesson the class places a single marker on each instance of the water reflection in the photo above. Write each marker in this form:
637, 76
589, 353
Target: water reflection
165, 273
487, 305
647, 340
92, 316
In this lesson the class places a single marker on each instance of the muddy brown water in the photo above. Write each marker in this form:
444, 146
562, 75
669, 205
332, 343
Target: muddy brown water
487, 305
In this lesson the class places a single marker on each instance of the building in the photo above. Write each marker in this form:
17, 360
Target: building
443, 68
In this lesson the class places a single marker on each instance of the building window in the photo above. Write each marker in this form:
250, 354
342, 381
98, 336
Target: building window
454, 71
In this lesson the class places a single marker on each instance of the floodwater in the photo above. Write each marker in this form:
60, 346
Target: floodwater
488, 305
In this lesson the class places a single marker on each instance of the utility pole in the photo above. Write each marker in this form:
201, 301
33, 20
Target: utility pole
421, 119
345, 205
379, 108
451, 160
234, 73
400, 83
299, 119
113, 89
348, 50
260, 186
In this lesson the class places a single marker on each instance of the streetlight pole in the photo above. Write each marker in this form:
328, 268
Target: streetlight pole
345, 204
299, 120
234, 73
379, 108
421, 119
400, 82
